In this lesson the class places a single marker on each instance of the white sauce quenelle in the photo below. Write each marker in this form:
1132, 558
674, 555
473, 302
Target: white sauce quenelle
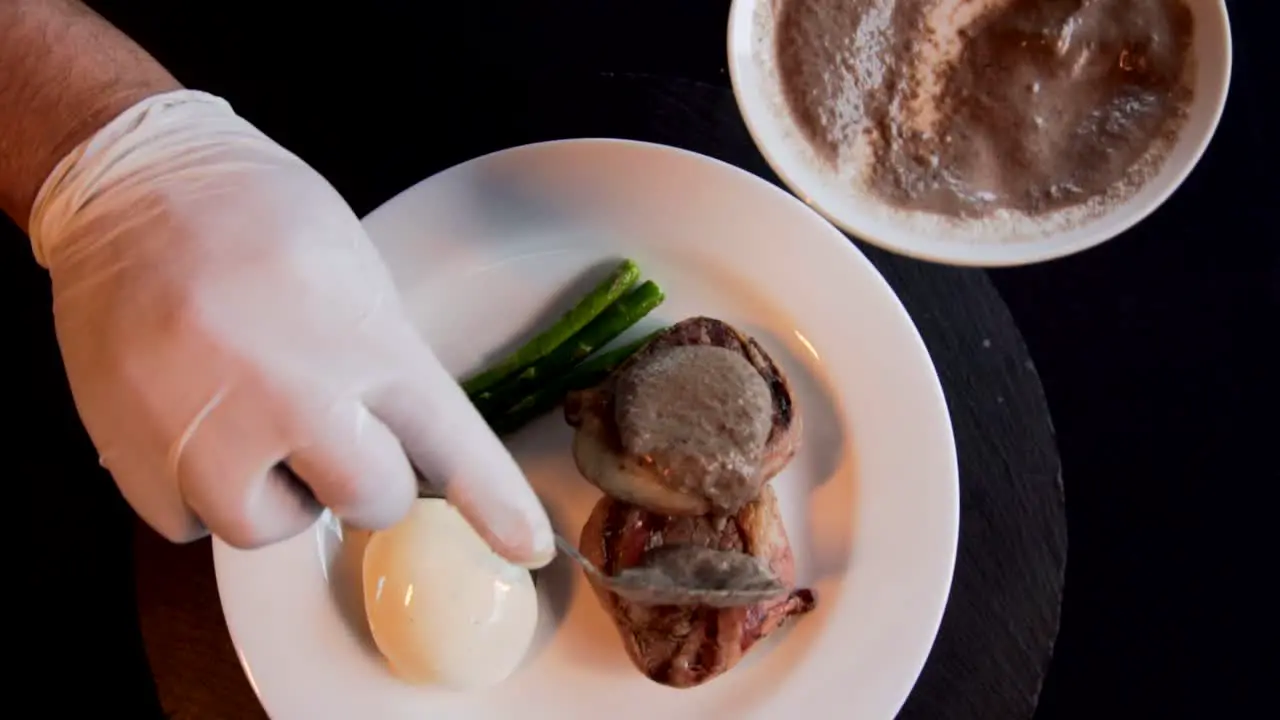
443, 608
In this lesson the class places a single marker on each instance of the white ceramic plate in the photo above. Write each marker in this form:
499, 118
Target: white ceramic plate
487, 251
752, 67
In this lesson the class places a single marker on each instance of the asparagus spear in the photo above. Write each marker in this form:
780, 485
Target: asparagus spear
611, 323
588, 374
600, 297
596, 368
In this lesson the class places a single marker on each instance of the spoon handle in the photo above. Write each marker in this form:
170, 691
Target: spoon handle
568, 548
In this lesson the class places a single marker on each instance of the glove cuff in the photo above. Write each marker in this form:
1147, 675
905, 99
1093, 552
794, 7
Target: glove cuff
110, 157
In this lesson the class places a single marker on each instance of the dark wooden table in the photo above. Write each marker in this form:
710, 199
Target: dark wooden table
1154, 351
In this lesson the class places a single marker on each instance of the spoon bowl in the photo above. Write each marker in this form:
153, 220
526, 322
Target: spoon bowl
688, 575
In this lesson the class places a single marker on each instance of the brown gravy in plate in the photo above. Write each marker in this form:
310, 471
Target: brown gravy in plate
1027, 105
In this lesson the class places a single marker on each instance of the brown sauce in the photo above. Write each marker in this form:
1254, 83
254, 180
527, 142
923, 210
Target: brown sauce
701, 415
1046, 104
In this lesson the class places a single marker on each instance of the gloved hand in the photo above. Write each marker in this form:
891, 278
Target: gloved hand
236, 348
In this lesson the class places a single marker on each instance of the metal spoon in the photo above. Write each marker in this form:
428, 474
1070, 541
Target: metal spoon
688, 575
677, 574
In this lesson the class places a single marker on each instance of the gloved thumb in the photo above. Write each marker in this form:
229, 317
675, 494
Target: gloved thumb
449, 442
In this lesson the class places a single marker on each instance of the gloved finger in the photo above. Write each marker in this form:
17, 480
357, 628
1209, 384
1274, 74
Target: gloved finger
146, 486
356, 467
230, 474
450, 443
256, 511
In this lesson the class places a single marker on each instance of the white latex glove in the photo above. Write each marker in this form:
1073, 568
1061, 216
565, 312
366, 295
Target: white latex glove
223, 316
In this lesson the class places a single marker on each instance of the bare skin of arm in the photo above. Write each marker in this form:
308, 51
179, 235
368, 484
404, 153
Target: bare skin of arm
64, 73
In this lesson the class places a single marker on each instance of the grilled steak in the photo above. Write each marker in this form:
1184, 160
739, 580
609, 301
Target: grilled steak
687, 646
696, 422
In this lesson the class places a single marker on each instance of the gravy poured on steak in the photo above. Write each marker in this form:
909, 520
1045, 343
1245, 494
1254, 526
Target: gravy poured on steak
696, 422
701, 415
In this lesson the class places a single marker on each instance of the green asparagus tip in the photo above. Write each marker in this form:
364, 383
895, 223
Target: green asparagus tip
595, 302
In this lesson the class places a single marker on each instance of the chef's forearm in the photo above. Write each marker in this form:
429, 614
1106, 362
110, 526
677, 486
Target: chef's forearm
64, 72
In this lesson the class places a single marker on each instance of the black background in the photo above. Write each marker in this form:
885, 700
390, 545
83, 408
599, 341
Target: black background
1157, 350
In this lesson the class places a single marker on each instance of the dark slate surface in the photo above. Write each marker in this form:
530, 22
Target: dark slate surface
1156, 351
